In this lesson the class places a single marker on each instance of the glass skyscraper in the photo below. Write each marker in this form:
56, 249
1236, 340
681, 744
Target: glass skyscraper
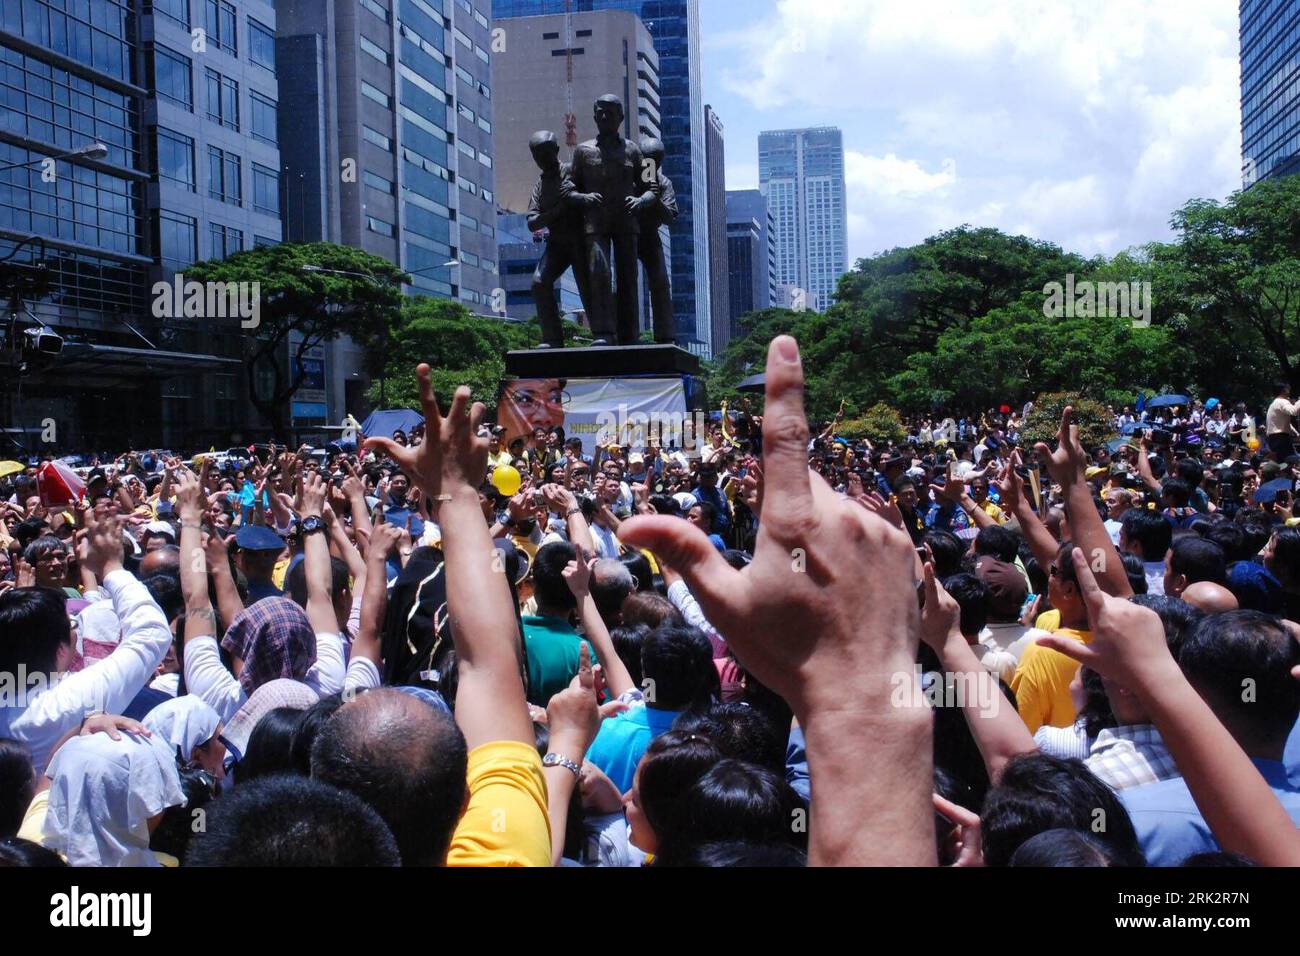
675, 27
1270, 88
183, 94
801, 173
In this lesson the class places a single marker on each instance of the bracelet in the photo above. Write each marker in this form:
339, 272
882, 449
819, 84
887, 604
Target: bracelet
440, 497
191, 525
572, 511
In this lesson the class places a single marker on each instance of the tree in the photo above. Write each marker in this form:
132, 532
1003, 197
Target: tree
1240, 261
1044, 421
880, 424
316, 306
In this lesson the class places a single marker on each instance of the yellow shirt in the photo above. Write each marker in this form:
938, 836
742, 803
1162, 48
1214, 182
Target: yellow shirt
1042, 684
1048, 620
506, 822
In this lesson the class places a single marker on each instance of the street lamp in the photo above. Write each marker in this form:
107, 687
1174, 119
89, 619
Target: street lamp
89, 151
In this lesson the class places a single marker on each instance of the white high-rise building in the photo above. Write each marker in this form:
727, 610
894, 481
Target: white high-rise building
801, 174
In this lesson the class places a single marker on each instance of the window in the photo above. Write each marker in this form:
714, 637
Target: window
375, 181
219, 21
468, 222
224, 176
264, 112
480, 20
379, 226
261, 44
266, 190
488, 196
377, 138
178, 240
379, 96
485, 159
464, 74
462, 39
584, 33
576, 51
223, 240
172, 77
465, 111
176, 158
468, 258
223, 99
374, 50
481, 53
550, 36
484, 125
465, 148
178, 11
375, 8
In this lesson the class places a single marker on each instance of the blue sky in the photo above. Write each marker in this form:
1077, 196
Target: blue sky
1083, 122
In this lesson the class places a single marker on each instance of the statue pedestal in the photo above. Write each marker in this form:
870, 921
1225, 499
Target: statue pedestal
602, 361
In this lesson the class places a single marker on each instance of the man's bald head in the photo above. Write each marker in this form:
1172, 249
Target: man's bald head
404, 758
166, 560
1209, 597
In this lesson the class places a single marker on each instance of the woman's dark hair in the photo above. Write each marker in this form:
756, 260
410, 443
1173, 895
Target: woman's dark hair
671, 763
309, 724
172, 835
1096, 713
628, 639
1176, 615
17, 852
1135, 571
1218, 858
1286, 557
947, 549
733, 853
736, 801
639, 567
740, 732
1070, 848
270, 745
17, 784
1038, 792
999, 542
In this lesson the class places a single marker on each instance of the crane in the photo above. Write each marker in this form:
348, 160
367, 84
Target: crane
570, 118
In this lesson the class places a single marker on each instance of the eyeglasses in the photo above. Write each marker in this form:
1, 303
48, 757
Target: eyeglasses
527, 400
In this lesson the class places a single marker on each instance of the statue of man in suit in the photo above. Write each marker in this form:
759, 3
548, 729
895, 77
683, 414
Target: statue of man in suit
650, 250
552, 208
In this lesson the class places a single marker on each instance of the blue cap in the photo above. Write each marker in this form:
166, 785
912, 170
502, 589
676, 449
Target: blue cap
255, 537
1255, 588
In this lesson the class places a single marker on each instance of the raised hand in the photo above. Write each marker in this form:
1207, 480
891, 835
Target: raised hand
577, 575
191, 502
453, 455
1066, 464
312, 493
103, 544
884, 508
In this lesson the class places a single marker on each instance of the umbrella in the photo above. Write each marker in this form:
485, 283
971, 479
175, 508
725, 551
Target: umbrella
8, 468
1269, 490
1128, 428
755, 383
1164, 401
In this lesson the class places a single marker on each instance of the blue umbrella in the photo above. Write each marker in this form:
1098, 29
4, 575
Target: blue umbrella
1128, 428
1164, 401
1269, 490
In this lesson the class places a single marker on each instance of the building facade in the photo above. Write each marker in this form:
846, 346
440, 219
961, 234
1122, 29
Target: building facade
674, 26
183, 94
719, 286
1270, 89
801, 174
389, 106
751, 258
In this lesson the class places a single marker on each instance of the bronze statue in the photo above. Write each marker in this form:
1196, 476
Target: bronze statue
551, 208
649, 249
612, 189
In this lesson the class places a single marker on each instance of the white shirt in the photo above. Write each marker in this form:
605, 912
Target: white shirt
39, 715
207, 678
606, 541
1155, 575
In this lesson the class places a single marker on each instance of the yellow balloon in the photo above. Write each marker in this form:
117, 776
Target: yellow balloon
1253, 444
506, 479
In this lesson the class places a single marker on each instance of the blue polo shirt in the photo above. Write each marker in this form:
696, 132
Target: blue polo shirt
622, 740
1169, 826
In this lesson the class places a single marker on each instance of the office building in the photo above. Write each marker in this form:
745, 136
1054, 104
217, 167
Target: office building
674, 26
1270, 89
719, 286
751, 259
183, 94
801, 174
389, 106
610, 51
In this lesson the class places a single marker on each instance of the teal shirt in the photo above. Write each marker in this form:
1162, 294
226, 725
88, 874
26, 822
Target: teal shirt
553, 648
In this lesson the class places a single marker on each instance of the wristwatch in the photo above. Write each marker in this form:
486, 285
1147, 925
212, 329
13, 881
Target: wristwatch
559, 760
312, 523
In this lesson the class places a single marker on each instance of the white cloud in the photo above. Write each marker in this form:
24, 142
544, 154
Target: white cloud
1085, 122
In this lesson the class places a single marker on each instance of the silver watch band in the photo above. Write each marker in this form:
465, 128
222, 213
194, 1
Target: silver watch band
559, 760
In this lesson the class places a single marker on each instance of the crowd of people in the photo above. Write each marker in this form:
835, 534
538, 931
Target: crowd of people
782, 647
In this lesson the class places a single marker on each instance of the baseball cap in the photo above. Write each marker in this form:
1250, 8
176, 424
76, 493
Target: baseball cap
636, 458
1007, 587
162, 528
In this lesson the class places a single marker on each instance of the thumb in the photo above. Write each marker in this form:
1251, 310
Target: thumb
721, 590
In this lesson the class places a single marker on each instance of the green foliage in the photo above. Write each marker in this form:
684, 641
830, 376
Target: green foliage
880, 425
1095, 427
